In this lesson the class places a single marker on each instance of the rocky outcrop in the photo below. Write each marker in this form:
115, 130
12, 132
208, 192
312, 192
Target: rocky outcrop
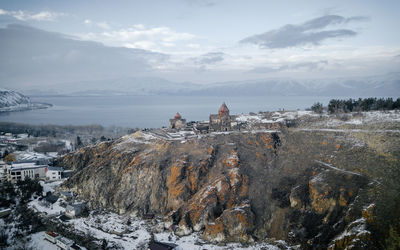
239, 187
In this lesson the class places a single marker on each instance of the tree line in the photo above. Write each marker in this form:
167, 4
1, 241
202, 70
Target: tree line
357, 105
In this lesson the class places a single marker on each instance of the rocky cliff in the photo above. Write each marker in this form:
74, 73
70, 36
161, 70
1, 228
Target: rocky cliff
317, 189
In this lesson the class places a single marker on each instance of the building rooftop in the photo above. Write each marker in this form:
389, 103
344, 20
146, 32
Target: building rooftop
24, 166
55, 169
66, 241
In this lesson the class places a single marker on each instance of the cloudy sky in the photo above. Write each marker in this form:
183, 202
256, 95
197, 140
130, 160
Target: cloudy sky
201, 41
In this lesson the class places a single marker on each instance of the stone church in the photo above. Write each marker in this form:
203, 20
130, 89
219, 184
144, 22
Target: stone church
222, 121
177, 122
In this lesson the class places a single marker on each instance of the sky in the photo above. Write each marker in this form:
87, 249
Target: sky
201, 41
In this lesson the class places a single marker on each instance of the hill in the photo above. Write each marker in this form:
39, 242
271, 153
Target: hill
324, 183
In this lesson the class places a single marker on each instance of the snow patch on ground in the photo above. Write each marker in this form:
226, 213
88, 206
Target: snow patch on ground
33, 156
127, 142
351, 130
51, 209
361, 118
51, 186
357, 228
38, 242
337, 169
254, 120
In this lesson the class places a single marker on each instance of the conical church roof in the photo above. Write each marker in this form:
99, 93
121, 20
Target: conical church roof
223, 110
177, 116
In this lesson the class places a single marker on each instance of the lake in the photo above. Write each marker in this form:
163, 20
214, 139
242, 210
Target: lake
148, 111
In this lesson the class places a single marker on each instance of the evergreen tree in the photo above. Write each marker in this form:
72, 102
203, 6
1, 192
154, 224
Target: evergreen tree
78, 142
317, 107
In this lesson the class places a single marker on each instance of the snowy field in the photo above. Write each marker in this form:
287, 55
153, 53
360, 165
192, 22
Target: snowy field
38, 242
361, 118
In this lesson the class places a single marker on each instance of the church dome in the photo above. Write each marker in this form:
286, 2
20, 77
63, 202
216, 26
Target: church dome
223, 110
177, 116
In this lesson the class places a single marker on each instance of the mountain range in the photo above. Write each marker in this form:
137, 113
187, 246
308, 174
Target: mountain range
383, 85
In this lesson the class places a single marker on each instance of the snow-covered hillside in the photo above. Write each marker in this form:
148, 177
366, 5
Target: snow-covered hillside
14, 101
10, 98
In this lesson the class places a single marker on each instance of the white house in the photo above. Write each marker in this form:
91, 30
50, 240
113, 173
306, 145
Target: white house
65, 243
3, 171
20, 171
74, 210
53, 173
51, 236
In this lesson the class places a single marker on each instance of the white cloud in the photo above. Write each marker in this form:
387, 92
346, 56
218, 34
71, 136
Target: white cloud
148, 45
27, 16
139, 26
139, 36
102, 25
193, 45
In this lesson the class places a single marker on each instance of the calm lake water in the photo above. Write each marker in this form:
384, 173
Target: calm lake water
148, 111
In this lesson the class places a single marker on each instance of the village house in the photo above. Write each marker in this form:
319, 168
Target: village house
21, 171
65, 243
53, 173
51, 236
177, 122
73, 210
3, 171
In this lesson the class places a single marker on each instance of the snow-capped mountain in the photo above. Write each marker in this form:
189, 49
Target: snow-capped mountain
14, 101
384, 85
10, 98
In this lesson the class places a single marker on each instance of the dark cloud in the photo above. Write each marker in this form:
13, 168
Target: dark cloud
210, 58
310, 32
305, 65
32, 55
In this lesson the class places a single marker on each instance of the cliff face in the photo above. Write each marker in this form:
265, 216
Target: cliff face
243, 187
